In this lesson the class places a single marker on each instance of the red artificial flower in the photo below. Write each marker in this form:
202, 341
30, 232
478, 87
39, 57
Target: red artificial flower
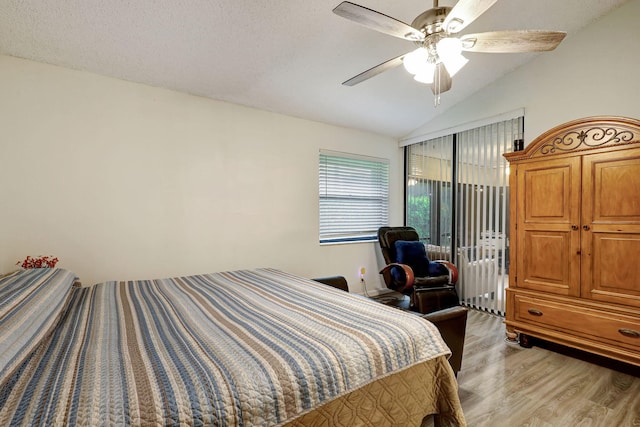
39, 262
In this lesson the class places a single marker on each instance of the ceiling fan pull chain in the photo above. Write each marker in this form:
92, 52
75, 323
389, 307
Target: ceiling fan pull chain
436, 87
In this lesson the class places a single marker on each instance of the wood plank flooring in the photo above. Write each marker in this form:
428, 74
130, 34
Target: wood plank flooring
503, 384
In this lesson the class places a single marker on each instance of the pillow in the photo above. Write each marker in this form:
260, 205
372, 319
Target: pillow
414, 254
32, 302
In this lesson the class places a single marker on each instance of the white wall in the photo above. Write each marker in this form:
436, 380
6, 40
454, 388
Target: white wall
125, 181
593, 72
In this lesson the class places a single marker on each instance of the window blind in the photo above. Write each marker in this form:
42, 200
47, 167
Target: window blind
483, 222
354, 196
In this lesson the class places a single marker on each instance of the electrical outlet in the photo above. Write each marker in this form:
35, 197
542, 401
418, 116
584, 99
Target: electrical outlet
362, 282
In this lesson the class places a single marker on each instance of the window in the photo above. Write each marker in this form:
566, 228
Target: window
354, 197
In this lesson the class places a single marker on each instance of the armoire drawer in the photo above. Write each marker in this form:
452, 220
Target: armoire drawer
587, 322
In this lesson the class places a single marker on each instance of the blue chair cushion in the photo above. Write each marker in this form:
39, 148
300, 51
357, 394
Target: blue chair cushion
414, 254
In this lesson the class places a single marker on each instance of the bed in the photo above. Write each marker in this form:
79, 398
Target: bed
242, 348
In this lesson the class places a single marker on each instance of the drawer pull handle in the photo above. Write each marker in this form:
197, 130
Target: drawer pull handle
537, 312
629, 333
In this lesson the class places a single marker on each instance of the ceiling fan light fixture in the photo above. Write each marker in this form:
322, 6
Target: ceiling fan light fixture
426, 77
416, 61
450, 52
454, 64
449, 46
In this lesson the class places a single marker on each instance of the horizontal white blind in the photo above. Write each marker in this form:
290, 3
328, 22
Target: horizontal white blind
354, 197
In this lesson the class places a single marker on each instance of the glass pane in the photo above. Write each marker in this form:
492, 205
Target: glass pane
419, 213
429, 197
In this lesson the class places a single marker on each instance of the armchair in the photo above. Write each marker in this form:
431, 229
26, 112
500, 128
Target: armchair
429, 284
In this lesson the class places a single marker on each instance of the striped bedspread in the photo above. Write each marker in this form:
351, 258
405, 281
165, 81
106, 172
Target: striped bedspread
244, 348
31, 304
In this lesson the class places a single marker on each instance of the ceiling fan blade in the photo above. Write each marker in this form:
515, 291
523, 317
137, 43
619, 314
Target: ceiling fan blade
371, 72
512, 41
464, 13
441, 80
377, 21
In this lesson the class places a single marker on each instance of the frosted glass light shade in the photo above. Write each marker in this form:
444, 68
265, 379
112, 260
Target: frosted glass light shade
415, 62
449, 46
425, 76
454, 64
449, 50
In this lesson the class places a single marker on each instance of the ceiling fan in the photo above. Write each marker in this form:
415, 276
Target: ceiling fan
438, 56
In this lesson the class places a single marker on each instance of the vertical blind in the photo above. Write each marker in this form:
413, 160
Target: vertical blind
354, 196
483, 176
461, 183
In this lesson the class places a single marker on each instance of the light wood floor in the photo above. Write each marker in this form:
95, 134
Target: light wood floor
503, 384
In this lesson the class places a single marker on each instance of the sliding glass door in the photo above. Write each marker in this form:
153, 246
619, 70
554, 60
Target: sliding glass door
457, 197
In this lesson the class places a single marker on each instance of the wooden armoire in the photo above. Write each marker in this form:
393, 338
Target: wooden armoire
574, 274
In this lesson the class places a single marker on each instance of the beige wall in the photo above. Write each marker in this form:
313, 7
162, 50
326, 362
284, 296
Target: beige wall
592, 72
125, 181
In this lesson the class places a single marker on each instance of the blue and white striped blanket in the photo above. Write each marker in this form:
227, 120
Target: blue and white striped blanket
243, 348
31, 304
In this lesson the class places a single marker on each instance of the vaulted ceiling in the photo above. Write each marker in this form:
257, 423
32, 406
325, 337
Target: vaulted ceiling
286, 56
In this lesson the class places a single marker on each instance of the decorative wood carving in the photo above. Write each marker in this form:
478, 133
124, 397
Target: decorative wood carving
583, 134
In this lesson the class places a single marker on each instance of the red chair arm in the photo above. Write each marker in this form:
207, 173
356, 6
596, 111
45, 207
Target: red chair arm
453, 270
408, 272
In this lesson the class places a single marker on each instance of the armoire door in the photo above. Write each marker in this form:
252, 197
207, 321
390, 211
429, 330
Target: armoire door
611, 227
547, 226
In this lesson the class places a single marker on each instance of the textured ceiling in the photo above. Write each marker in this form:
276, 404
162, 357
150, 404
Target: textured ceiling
286, 56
